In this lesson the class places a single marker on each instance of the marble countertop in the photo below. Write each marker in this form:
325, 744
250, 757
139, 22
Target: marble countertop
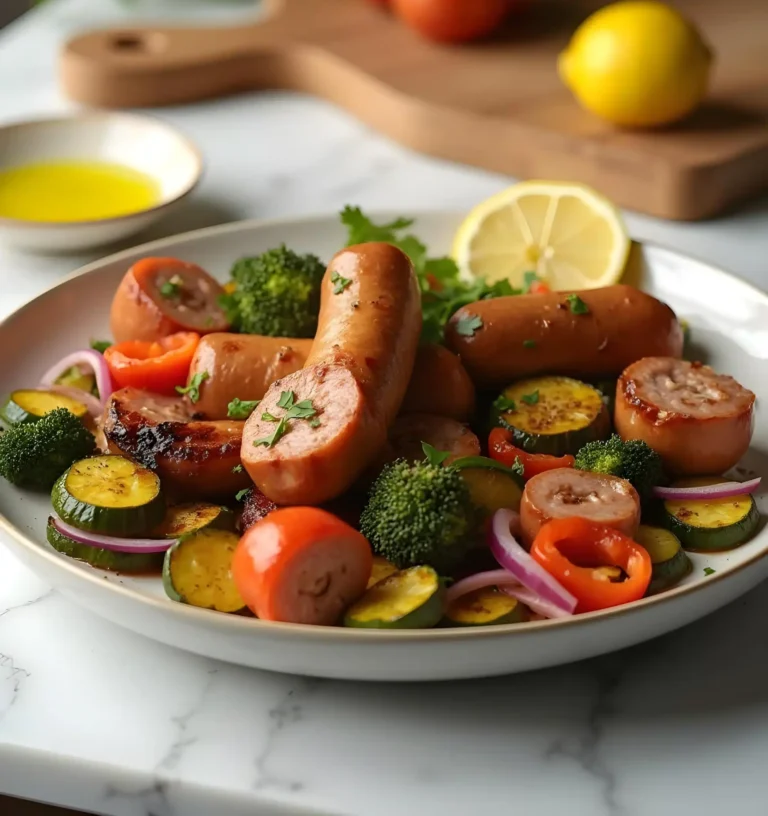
97, 718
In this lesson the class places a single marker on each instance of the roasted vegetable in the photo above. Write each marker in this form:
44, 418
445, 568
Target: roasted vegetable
633, 460
35, 455
198, 571
185, 519
484, 607
411, 599
111, 495
275, 294
711, 524
30, 405
421, 513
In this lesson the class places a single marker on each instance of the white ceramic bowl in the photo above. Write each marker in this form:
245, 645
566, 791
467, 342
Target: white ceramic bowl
136, 141
729, 322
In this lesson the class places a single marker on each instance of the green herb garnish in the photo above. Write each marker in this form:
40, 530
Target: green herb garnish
101, 345
339, 283
270, 441
529, 344
192, 391
241, 494
434, 456
503, 403
709, 571
530, 399
301, 410
267, 417
172, 287
286, 399
241, 409
577, 305
237, 469
314, 423
467, 326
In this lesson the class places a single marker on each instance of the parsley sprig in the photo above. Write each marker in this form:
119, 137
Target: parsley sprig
294, 410
192, 391
241, 409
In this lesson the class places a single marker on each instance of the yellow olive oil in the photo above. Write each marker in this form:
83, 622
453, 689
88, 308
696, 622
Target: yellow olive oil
68, 191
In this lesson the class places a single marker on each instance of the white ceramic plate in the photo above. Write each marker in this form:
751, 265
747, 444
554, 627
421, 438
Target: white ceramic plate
137, 141
730, 324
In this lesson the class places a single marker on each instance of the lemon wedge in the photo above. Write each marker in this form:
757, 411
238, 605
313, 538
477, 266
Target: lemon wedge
568, 234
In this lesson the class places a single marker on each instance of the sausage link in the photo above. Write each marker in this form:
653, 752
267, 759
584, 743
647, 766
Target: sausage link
527, 335
439, 385
355, 378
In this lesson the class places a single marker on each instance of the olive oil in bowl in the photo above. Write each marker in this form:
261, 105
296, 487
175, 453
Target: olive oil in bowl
75, 191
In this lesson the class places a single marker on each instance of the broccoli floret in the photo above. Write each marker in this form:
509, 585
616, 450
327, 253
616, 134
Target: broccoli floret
35, 455
420, 513
276, 294
633, 460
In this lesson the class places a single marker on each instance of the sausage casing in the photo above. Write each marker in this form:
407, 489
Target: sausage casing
527, 335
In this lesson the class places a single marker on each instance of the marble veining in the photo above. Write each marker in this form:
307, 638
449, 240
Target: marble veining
97, 718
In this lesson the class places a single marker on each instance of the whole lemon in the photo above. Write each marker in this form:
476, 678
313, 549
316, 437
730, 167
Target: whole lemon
637, 63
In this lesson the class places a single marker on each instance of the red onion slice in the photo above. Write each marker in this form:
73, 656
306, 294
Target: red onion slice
724, 490
535, 603
94, 361
124, 545
512, 557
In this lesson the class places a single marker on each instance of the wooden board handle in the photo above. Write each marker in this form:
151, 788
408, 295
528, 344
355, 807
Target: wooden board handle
153, 66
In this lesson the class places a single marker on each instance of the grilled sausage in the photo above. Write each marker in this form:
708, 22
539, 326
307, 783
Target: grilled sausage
527, 335
162, 296
699, 422
242, 366
355, 379
408, 432
245, 365
192, 458
439, 385
566, 492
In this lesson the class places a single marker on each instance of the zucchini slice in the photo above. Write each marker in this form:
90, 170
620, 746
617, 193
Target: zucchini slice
552, 415
381, 569
111, 495
197, 570
29, 405
661, 544
410, 599
185, 519
484, 607
492, 490
668, 573
103, 559
76, 378
711, 524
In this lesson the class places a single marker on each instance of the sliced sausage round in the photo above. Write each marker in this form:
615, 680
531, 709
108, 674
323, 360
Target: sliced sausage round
567, 492
193, 459
354, 381
408, 433
511, 338
700, 422
162, 296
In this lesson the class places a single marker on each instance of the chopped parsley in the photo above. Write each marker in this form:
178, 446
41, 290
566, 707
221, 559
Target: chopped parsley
467, 326
101, 345
301, 410
314, 423
270, 441
267, 417
192, 391
434, 456
240, 495
172, 287
286, 399
518, 466
241, 409
237, 469
529, 344
339, 283
503, 403
577, 305
709, 571
530, 399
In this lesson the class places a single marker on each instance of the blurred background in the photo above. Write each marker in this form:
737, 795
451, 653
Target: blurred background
10, 9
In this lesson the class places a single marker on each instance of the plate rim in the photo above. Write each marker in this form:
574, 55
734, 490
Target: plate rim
241, 624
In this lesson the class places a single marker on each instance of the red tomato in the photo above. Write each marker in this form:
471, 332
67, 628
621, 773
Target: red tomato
452, 20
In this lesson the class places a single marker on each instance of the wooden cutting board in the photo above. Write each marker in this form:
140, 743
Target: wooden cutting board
497, 104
